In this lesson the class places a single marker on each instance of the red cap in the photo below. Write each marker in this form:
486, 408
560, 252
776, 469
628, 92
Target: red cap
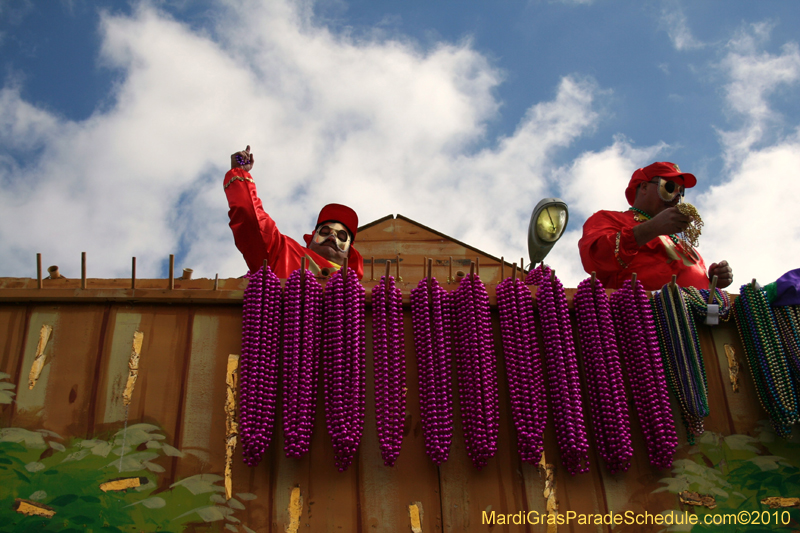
339, 213
658, 170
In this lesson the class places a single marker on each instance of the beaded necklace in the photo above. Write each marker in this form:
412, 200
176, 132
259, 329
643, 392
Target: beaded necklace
697, 300
390, 367
523, 367
683, 359
607, 399
788, 318
771, 372
674, 238
302, 315
638, 344
476, 365
343, 362
562, 369
431, 312
258, 368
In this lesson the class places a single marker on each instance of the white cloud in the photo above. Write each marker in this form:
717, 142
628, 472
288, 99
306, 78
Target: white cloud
373, 122
749, 216
754, 76
678, 28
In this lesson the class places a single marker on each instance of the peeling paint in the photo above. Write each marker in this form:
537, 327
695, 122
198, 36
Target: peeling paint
295, 510
133, 368
733, 366
231, 425
697, 500
30, 508
778, 502
415, 514
549, 493
38, 360
123, 483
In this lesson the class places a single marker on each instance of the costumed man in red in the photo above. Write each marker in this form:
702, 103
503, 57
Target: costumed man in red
258, 238
643, 238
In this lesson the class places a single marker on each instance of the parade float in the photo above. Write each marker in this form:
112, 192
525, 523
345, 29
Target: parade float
448, 390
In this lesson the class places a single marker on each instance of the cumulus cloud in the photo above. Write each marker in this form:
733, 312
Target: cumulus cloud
751, 209
754, 75
374, 122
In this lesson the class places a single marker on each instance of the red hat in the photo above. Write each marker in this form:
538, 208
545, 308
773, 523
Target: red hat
658, 170
339, 213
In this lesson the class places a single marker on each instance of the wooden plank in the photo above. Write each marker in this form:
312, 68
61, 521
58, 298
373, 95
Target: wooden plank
30, 403
386, 492
74, 357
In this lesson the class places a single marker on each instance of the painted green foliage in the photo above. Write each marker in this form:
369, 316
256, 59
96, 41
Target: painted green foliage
39, 466
739, 471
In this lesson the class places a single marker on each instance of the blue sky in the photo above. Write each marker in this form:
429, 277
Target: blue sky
117, 120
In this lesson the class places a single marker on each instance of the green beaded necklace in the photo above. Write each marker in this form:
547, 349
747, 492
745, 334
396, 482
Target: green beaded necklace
683, 359
648, 217
769, 367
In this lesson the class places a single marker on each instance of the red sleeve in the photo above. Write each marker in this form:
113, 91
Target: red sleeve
254, 231
608, 245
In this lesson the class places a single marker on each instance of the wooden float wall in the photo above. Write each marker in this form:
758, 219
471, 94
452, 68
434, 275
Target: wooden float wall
181, 388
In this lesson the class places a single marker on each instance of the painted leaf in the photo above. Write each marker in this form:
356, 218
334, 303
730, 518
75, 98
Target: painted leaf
38, 496
235, 504
246, 496
154, 502
76, 456
57, 446
35, 466
171, 451
31, 439
201, 483
153, 467
64, 499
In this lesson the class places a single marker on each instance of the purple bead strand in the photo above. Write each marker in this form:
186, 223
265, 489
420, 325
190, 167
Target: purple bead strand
608, 403
562, 370
477, 370
430, 314
523, 368
389, 359
301, 360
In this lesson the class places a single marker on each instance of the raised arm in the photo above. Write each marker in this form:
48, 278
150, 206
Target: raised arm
254, 231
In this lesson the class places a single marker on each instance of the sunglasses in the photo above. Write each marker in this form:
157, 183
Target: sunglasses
341, 235
668, 190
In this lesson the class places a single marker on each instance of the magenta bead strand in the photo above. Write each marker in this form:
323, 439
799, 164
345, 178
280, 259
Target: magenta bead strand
258, 384
562, 370
523, 368
477, 370
430, 312
344, 364
608, 403
389, 360
301, 329
638, 344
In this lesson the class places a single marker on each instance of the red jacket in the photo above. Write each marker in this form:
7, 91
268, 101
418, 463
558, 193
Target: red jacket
654, 263
258, 238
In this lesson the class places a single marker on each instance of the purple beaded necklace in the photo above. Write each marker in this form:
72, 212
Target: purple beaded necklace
258, 368
523, 368
562, 370
343, 362
477, 370
607, 401
431, 309
302, 314
390, 367
638, 344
